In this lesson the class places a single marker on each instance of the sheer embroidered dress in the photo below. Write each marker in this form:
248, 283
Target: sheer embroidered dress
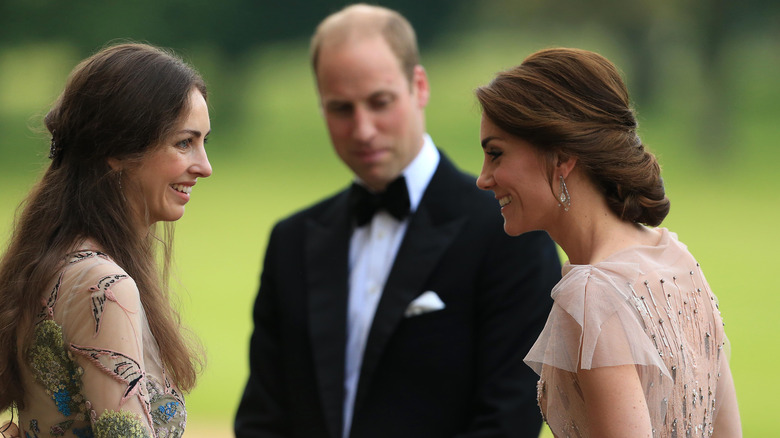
649, 306
94, 368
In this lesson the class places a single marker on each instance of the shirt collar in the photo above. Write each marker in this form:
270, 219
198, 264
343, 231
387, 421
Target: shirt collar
420, 171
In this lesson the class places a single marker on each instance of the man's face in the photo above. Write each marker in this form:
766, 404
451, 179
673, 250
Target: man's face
375, 117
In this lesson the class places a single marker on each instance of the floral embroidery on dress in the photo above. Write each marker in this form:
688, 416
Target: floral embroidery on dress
84, 432
101, 293
121, 424
119, 366
48, 305
56, 370
60, 428
168, 414
52, 361
34, 428
83, 255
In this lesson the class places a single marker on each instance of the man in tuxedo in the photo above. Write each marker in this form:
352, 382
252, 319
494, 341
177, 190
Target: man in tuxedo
397, 307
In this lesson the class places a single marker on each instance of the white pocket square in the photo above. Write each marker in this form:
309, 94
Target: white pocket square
427, 302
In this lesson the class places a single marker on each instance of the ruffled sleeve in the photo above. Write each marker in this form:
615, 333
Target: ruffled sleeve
595, 322
103, 325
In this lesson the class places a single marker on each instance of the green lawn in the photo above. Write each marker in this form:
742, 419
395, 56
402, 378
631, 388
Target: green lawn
270, 155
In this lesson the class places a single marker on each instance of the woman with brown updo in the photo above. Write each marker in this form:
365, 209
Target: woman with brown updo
91, 343
634, 344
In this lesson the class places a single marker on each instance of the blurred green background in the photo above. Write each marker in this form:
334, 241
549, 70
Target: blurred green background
704, 75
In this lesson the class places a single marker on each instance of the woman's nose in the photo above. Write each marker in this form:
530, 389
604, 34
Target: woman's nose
485, 180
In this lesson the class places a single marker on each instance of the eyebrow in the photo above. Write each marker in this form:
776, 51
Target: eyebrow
487, 140
381, 93
375, 95
336, 103
193, 132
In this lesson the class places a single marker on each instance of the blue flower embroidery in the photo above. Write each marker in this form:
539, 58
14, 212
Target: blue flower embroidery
62, 398
55, 369
84, 433
168, 410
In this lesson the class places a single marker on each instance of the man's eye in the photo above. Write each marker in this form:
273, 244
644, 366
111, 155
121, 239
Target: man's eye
340, 109
381, 103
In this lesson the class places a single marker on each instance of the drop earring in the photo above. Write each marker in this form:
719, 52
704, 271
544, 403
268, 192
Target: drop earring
564, 198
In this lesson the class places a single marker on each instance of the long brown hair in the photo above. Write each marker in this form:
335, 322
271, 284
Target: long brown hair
574, 103
119, 103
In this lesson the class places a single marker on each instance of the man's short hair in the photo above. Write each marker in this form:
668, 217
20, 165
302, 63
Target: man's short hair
360, 21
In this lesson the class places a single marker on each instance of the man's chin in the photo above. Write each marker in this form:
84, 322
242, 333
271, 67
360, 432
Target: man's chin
377, 181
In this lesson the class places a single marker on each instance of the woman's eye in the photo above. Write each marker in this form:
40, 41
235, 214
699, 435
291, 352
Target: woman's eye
184, 143
493, 154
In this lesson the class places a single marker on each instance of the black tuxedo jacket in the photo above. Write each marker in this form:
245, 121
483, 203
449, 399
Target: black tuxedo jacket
447, 373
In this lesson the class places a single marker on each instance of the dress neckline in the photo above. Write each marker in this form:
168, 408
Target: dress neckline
629, 254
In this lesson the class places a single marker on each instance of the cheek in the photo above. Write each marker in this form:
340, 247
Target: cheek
395, 120
338, 129
503, 177
517, 181
171, 168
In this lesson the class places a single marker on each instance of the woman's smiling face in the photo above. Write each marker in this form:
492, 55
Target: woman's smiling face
162, 183
517, 173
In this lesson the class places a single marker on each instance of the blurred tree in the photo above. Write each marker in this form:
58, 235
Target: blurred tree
647, 31
644, 30
231, 26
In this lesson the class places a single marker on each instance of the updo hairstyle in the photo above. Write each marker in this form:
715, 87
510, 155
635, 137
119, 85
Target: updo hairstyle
573, 103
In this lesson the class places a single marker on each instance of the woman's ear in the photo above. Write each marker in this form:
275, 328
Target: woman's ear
564, 164
115, 164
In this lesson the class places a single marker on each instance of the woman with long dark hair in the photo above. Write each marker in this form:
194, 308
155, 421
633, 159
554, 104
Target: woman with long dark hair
91, 342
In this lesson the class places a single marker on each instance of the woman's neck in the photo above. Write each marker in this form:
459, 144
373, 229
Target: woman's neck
590, 231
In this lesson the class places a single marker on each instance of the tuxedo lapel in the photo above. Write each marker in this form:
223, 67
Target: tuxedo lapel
327, 249
431, 230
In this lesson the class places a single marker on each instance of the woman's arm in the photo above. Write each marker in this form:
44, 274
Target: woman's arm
9, 430
727, 421
615, 402
105, 329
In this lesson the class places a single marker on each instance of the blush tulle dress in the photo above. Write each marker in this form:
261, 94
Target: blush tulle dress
649, 306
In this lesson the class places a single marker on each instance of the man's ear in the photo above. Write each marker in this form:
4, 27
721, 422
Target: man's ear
420, 84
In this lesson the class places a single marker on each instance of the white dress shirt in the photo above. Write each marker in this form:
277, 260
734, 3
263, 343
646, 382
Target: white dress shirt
372, 251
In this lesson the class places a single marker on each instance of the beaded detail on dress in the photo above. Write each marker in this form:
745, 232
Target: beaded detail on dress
681, 328
647, 306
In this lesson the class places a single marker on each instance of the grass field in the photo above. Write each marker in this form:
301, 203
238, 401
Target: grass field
270, 155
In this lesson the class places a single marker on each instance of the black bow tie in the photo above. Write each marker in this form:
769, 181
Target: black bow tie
394, 200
